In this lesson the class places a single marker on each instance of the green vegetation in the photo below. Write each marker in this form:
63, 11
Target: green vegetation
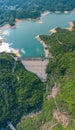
21, 92
61, 66
61, 69
39, 120
10, 10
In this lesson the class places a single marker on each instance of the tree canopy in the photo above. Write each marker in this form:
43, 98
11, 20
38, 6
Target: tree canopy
30, 8
21, 92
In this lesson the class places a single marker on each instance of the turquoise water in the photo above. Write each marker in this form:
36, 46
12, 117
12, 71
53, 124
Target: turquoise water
23, 37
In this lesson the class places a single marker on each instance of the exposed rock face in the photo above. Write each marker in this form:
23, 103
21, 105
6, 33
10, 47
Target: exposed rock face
61, 117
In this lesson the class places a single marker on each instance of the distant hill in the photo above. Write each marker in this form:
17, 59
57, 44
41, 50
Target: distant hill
10, 10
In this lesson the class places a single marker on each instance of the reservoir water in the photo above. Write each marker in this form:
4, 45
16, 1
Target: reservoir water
23, 37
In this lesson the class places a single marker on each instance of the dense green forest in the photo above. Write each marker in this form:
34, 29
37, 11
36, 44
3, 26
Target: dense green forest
21, 92
60, 70
10, 10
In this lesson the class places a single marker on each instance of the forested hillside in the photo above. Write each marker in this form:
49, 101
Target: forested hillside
58, 111
10, 10
21, 92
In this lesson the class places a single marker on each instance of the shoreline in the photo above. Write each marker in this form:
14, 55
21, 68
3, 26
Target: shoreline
45, 13
7, 25
19, 20
6, 47
71, 26
46, 51
39, 21
4, 26
53, 30
16, 52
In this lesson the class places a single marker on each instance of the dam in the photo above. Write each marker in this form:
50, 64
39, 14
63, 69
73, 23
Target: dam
36, 66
